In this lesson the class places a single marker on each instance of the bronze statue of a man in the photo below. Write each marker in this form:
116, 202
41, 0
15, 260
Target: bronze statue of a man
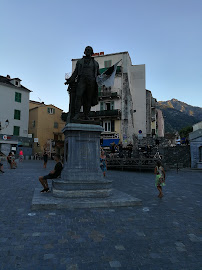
85, 73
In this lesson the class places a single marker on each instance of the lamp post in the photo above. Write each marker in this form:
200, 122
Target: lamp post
6, 125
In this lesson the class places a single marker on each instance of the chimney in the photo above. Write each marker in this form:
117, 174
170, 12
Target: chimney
8, 76
101, 53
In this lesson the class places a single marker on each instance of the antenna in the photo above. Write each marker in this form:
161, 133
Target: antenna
39, 99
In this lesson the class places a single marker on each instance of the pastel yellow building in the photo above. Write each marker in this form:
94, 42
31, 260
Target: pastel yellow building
45, 125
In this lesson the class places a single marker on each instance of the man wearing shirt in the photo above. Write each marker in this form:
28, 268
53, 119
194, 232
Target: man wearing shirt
52, 175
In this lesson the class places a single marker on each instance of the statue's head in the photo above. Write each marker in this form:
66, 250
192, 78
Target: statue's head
88, 51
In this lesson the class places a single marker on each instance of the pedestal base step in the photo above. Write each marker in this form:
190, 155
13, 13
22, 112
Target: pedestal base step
81, 189
47, 201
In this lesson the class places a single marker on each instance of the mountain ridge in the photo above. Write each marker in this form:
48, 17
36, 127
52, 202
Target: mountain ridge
179, 114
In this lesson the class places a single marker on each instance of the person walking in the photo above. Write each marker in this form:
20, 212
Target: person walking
45, 159
113, 150
21, 156
11, 160
160, 178
103, 163
52, 175
14, 164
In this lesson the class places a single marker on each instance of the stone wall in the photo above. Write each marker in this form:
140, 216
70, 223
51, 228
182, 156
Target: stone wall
176, 155
172, 156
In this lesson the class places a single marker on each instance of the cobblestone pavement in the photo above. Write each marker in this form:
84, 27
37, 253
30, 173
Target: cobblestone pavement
160, 234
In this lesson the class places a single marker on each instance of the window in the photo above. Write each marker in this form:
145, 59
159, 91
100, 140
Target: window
55, 124
16, 83
16, 130
17, 114
108, 63
33, 123
107, 125
18, 97
107, 106
51, 111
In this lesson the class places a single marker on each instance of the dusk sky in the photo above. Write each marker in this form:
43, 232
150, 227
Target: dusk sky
40, 37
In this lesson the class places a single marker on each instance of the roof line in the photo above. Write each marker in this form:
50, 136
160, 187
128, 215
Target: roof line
44, 105
103, 55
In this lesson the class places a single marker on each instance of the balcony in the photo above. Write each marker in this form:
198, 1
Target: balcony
107, 93
105, 114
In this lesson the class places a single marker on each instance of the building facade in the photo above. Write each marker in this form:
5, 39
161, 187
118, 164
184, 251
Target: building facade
195, 138
123, 108
14, 116
45, 125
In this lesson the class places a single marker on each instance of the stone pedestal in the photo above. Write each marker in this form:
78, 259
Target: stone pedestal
82, 176
82, 184
199, 165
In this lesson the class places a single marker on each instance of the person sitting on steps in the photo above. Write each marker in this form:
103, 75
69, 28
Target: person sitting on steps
52, 175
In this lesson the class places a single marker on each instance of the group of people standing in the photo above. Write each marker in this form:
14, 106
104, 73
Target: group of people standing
119, 149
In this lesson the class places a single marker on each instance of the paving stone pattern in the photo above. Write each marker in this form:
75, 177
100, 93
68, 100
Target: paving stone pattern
160, 234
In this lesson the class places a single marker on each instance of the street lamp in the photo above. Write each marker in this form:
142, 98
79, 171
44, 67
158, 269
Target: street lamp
6, 125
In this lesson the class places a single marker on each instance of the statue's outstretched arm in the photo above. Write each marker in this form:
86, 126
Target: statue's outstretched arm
73, 77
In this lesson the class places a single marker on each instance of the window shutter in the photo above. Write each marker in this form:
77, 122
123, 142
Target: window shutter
99, 91
17, 97
108, 63
17, 114
101, 106
112, 105
16, 130
48, 110
53, 111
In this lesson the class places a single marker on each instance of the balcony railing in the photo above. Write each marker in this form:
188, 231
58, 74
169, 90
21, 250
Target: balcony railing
106, 113
109, 93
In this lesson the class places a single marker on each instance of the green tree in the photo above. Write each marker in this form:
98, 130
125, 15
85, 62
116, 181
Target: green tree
184, 132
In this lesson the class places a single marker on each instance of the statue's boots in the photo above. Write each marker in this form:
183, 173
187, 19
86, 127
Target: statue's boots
86, 111
86, 117
76, 117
